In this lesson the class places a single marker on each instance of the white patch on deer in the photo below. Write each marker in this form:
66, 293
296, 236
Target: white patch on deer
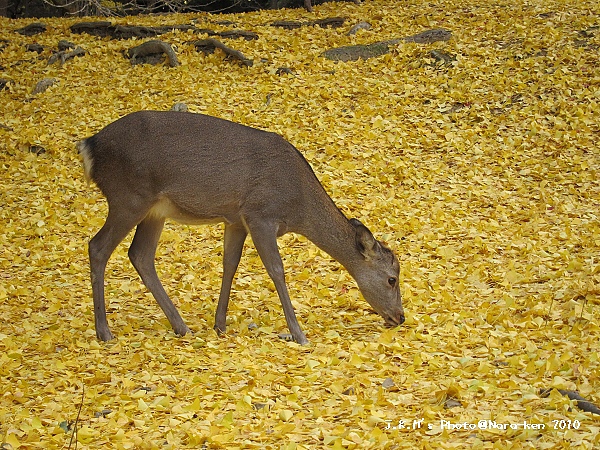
165, 208
84, 151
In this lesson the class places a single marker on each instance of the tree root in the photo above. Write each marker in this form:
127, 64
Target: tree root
354, 52
64, 54
32, 29
328, 22
151, 48
105, 28
42, 85
581, 403
430, 36
209, 46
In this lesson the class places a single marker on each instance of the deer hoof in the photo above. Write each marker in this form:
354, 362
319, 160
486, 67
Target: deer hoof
302, 340
104, 335
183, 331
290, 338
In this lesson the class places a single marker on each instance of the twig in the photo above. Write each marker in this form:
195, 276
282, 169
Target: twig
74, 435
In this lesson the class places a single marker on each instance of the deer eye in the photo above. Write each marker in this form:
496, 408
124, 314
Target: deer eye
392, 281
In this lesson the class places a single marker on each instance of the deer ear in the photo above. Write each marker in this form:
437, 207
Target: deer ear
366, 243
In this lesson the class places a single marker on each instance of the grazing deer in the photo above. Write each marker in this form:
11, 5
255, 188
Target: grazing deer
198, 169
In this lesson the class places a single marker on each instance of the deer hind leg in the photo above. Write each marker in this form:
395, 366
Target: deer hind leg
141, 254
100, 248
264, 236
233, 245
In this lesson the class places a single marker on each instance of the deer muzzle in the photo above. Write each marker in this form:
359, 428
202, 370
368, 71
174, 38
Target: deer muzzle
394, 321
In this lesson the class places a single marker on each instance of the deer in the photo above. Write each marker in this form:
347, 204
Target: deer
199, 169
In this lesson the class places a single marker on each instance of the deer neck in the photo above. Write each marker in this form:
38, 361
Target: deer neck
329, 229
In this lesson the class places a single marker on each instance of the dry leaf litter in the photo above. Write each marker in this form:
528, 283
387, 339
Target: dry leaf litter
480, 169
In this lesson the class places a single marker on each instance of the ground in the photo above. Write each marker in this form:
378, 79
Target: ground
480, 170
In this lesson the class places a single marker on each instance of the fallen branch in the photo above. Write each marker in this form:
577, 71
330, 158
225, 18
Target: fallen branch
76, 425
209, 46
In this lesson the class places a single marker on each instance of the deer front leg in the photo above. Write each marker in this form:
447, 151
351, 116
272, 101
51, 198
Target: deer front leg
264, 236
233, 244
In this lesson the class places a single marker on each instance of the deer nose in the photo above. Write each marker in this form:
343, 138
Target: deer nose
394, 321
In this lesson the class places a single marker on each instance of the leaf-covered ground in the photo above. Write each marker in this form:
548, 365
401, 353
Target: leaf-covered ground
482, 173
